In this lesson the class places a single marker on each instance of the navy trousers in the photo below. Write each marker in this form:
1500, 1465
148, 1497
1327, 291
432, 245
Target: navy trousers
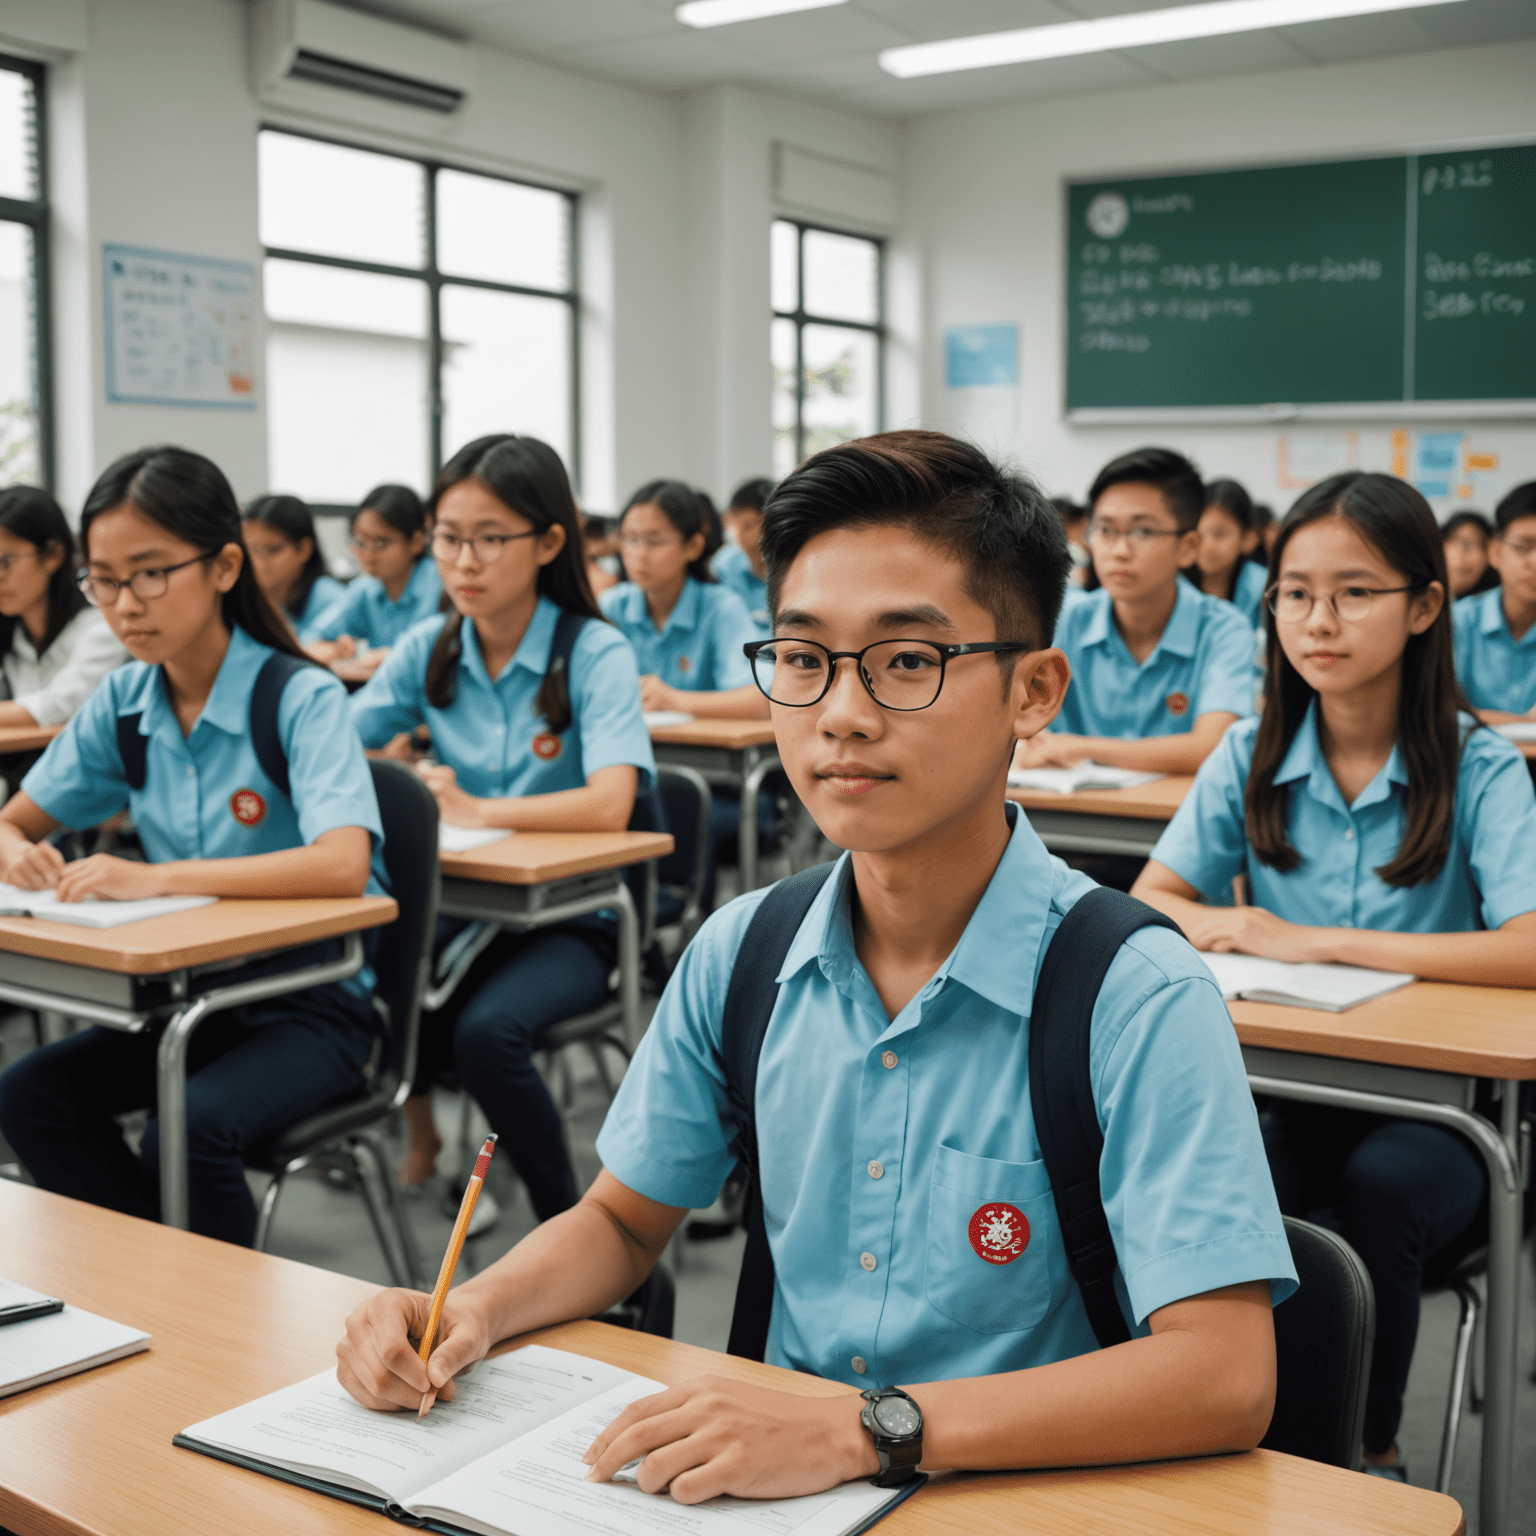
1398, 1192
489, 1029
251, 1073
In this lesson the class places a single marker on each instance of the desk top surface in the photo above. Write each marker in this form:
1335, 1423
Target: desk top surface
93, 1453
734, 734
227, 930
535, 858
1432, 1025
1156, 801
26, 738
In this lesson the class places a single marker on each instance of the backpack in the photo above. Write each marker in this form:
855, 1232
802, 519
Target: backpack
1060, 1090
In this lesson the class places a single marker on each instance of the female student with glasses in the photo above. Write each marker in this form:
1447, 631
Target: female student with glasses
1378, 825
285, 554
521, 745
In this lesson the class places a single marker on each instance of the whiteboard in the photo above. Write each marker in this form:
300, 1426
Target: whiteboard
180, 330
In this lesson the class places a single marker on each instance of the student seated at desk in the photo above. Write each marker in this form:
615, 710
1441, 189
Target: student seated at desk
1159, 670
686, 629
54, 647
518, 745
1227, 538
893, 1103
285, 554
165, 564
739, 566
1496, 630
398, 588
1466, 536
1377, 826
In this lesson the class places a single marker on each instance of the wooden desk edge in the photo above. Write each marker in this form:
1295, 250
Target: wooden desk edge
1139, 804
491, 864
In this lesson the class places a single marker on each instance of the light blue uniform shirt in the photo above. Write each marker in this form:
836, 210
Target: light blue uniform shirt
1248, 591
700, 647
1495, 670
734, 572
1202, 663
1489, 875
365, 612
491, 734
325, 593
880, 1140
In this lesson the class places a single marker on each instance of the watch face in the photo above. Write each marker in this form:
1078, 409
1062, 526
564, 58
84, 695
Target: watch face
898, 1416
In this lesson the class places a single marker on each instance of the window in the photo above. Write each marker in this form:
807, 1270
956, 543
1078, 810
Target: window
827, 340
26, 381
410, 308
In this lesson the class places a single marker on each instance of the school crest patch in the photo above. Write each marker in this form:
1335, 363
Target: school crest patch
999, 1232
684, 664
1178, 703
546, 746
247, 807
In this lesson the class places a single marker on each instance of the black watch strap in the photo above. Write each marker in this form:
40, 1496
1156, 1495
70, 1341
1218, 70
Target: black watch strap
899, 1458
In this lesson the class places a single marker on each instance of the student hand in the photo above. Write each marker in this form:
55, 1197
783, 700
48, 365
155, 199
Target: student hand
712, 1436
377, 1363
1253, 931
34, 867
111, 879
343, 647
454, 805
1052, 749
657, 695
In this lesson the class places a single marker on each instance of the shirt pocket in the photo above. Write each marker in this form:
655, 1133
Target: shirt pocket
1012, 1289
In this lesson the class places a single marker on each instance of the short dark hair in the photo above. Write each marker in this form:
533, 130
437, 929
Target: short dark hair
998, 524
290, 517
1521, 502
750, 495
1068, 510
397, 505
1466, 518
1164, 470
1233, 499
689, 511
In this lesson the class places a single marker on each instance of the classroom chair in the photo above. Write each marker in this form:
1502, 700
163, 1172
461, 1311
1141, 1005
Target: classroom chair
683, 874
1324, 1336
650, 1309
346, 1133
1459, 1269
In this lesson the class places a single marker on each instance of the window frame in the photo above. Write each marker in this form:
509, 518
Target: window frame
36, 215
803, 317
436, 280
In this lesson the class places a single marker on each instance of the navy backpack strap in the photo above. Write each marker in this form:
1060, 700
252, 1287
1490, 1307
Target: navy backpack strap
749, 1001
266, 696
567, 630
1061, 1089
133, 748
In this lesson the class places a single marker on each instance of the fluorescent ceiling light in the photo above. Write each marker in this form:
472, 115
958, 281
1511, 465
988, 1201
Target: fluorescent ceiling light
720, 13
1177, 24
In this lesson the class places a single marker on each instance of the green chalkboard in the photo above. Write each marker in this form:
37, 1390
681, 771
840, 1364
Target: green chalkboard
1382, 280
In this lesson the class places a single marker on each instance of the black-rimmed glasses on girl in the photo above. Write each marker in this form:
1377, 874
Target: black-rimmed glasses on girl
898, 674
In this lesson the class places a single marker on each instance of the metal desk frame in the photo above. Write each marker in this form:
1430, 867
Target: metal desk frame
1091, 832
132, 1003
1440, 1098
744, 767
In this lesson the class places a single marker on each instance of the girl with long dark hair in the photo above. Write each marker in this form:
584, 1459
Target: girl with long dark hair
1228, 535
1377, 825
525, 741
285, 554
165, 565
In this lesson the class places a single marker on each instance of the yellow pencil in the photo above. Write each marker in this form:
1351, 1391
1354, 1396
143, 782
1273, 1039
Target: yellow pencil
451, 1263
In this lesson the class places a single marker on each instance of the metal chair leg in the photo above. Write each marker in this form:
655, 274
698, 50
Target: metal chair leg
1470, 1306
404, 1232
595, 1051
376, 1214
266, 1208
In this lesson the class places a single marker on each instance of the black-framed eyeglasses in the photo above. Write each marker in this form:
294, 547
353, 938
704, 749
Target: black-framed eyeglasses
488, 547
898, 674
1351, 605
103, 591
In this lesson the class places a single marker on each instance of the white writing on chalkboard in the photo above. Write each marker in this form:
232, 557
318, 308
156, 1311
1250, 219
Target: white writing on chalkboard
1457, 306
1452, 178
1437, 269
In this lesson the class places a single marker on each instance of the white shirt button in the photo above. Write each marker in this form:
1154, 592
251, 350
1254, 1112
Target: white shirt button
888, 1058
868, 1260
859, 1365
877, 1170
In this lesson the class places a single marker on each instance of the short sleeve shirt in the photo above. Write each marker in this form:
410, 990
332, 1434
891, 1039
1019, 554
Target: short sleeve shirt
492, 735
734, 572
1488, 877
886, 1143
366, 612
1203, 663
1248, 591
699, 647
323, 595
1495, 670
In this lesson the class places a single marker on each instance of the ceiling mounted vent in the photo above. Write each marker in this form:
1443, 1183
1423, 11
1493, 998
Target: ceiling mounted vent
317, 44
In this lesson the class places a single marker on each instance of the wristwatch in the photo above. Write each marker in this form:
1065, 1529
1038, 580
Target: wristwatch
895, 1424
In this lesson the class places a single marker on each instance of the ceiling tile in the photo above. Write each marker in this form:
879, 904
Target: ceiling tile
1204, 58
810, 35
924, 22
1485, 21
536, 26
1359, 37
679, 61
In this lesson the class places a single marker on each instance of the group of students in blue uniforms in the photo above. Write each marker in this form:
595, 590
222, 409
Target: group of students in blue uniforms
1374, 818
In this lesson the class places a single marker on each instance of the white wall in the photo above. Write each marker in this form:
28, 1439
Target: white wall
983, 229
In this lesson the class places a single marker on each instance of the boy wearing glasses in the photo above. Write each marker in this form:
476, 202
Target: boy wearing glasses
1496, 630
913, 588
1159, 669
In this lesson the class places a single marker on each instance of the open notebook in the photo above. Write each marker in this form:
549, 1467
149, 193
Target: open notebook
502, 1459
1332, 988
462, 839
656, 718
91, 913
48, 1348
1067, 781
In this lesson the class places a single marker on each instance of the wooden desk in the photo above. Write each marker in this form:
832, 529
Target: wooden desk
535, 879
124, 977
736, 752
26, 738
1126, 821
1416, 1055
93, 1454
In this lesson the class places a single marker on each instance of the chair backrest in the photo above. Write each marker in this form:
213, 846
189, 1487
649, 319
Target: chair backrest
687, 797
1324, 1335
403, 957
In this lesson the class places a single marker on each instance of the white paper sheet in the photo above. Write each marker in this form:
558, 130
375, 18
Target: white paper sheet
47, 1348
91, 913
1518, 730
656, 718
1067, 781
462, 839
1330, 987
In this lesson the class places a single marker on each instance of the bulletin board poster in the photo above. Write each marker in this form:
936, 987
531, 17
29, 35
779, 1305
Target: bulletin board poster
180, 330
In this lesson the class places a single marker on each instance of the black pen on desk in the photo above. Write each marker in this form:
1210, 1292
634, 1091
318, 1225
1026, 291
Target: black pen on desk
23, 1311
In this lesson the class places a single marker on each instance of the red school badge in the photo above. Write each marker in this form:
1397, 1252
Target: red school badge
247, 807
1178, 703
999, 1233
684, 664
546, 746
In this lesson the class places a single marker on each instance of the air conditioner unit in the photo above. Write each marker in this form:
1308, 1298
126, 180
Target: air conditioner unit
317, 44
